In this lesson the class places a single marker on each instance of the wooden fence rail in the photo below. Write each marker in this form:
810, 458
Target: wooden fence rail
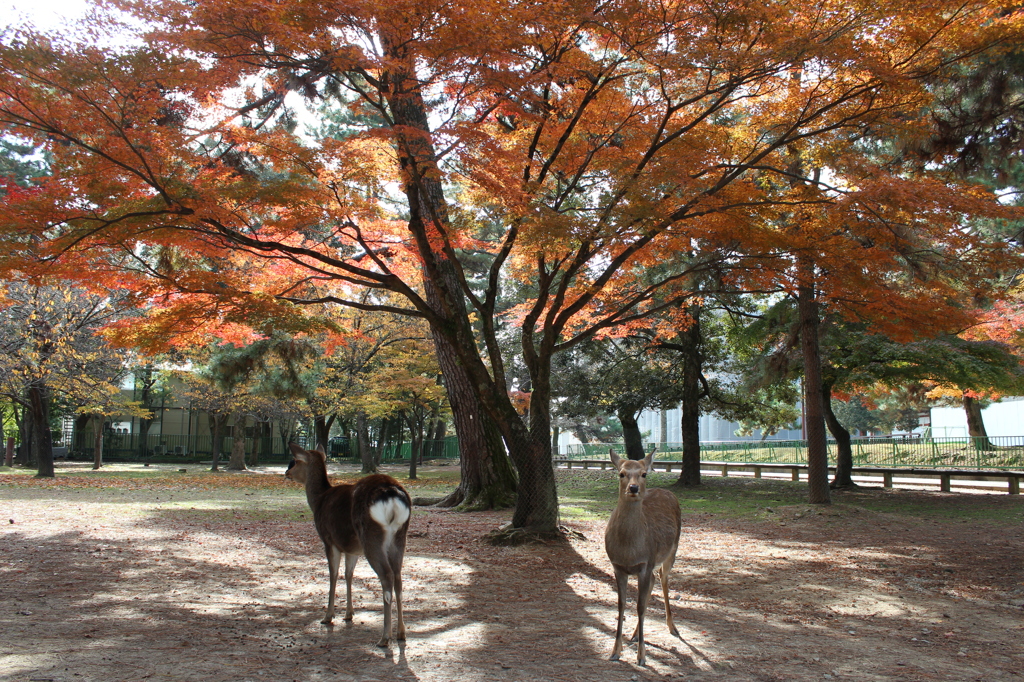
917, 476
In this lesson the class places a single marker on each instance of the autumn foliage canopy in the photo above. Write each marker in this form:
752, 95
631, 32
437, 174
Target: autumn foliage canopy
229, 159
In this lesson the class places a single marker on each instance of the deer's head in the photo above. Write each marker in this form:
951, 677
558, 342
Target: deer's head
632, 474
301, 459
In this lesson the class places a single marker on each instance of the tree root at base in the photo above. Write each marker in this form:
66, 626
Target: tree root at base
460, 501
507, 536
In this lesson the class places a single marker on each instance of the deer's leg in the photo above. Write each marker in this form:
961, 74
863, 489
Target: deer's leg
621, 585
333, 562
645, 580
395, 560
636, 630
350, 567
387, 584
379, 562
398, 607
663, 576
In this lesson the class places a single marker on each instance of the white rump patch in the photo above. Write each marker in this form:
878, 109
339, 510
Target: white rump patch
390, 514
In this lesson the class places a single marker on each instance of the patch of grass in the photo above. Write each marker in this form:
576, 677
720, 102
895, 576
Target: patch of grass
592, 494
583, 494
930, 505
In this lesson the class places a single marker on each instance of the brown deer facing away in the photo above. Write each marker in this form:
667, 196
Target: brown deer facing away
369, 517
642, 537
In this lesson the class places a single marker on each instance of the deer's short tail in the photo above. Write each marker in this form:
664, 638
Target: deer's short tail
390, 509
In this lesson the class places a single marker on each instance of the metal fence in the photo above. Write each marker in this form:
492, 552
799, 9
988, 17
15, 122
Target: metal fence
127, 447
120, 447
975, 453
432, 449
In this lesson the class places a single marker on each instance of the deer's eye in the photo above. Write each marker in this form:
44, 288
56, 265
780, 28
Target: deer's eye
622, 475
644, 474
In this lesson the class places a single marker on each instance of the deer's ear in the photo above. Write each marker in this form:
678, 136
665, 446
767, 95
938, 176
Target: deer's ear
615, 458
320, 449
648, 460
299, 454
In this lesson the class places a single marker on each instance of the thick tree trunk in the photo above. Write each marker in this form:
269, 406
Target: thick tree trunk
9, 452
363, 438
415, 445
24, 456
814, 410
437, 437
689, 345
844, 448
536, 508
690, 428
976, 424
145, 397
217, 423
42, 445
322, 431
143, 444
97, 447
78, 444
18, 410
633, 439
488, 480
259, 435
237, 460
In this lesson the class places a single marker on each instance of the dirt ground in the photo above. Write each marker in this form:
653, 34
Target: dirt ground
185, 584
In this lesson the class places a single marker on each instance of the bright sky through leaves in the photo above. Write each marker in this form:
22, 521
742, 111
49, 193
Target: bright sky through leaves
45, 15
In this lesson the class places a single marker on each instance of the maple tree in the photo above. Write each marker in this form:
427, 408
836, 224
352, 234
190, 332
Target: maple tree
50, 349
600, 138
409, 379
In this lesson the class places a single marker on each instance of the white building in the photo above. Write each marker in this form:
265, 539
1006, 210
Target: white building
1005, 418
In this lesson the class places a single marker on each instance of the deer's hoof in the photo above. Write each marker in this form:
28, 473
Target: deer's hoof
327, 621
384, 642
614, 657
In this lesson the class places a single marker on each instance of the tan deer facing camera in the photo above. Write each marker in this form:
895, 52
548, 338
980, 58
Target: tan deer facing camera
369, 517
642, 536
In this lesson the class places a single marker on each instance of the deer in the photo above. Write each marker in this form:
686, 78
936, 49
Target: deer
369, 517
642, 537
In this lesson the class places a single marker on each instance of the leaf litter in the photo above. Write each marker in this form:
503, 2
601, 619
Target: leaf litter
223, 578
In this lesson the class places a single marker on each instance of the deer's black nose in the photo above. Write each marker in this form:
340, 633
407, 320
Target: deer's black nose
634, 488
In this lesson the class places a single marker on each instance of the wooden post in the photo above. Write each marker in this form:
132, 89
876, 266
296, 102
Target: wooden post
796, 473
886, 479
944, 482
1014, 485
586, 464
725, 470
757, 472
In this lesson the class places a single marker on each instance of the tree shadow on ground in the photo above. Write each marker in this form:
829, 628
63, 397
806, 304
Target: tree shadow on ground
99, 591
